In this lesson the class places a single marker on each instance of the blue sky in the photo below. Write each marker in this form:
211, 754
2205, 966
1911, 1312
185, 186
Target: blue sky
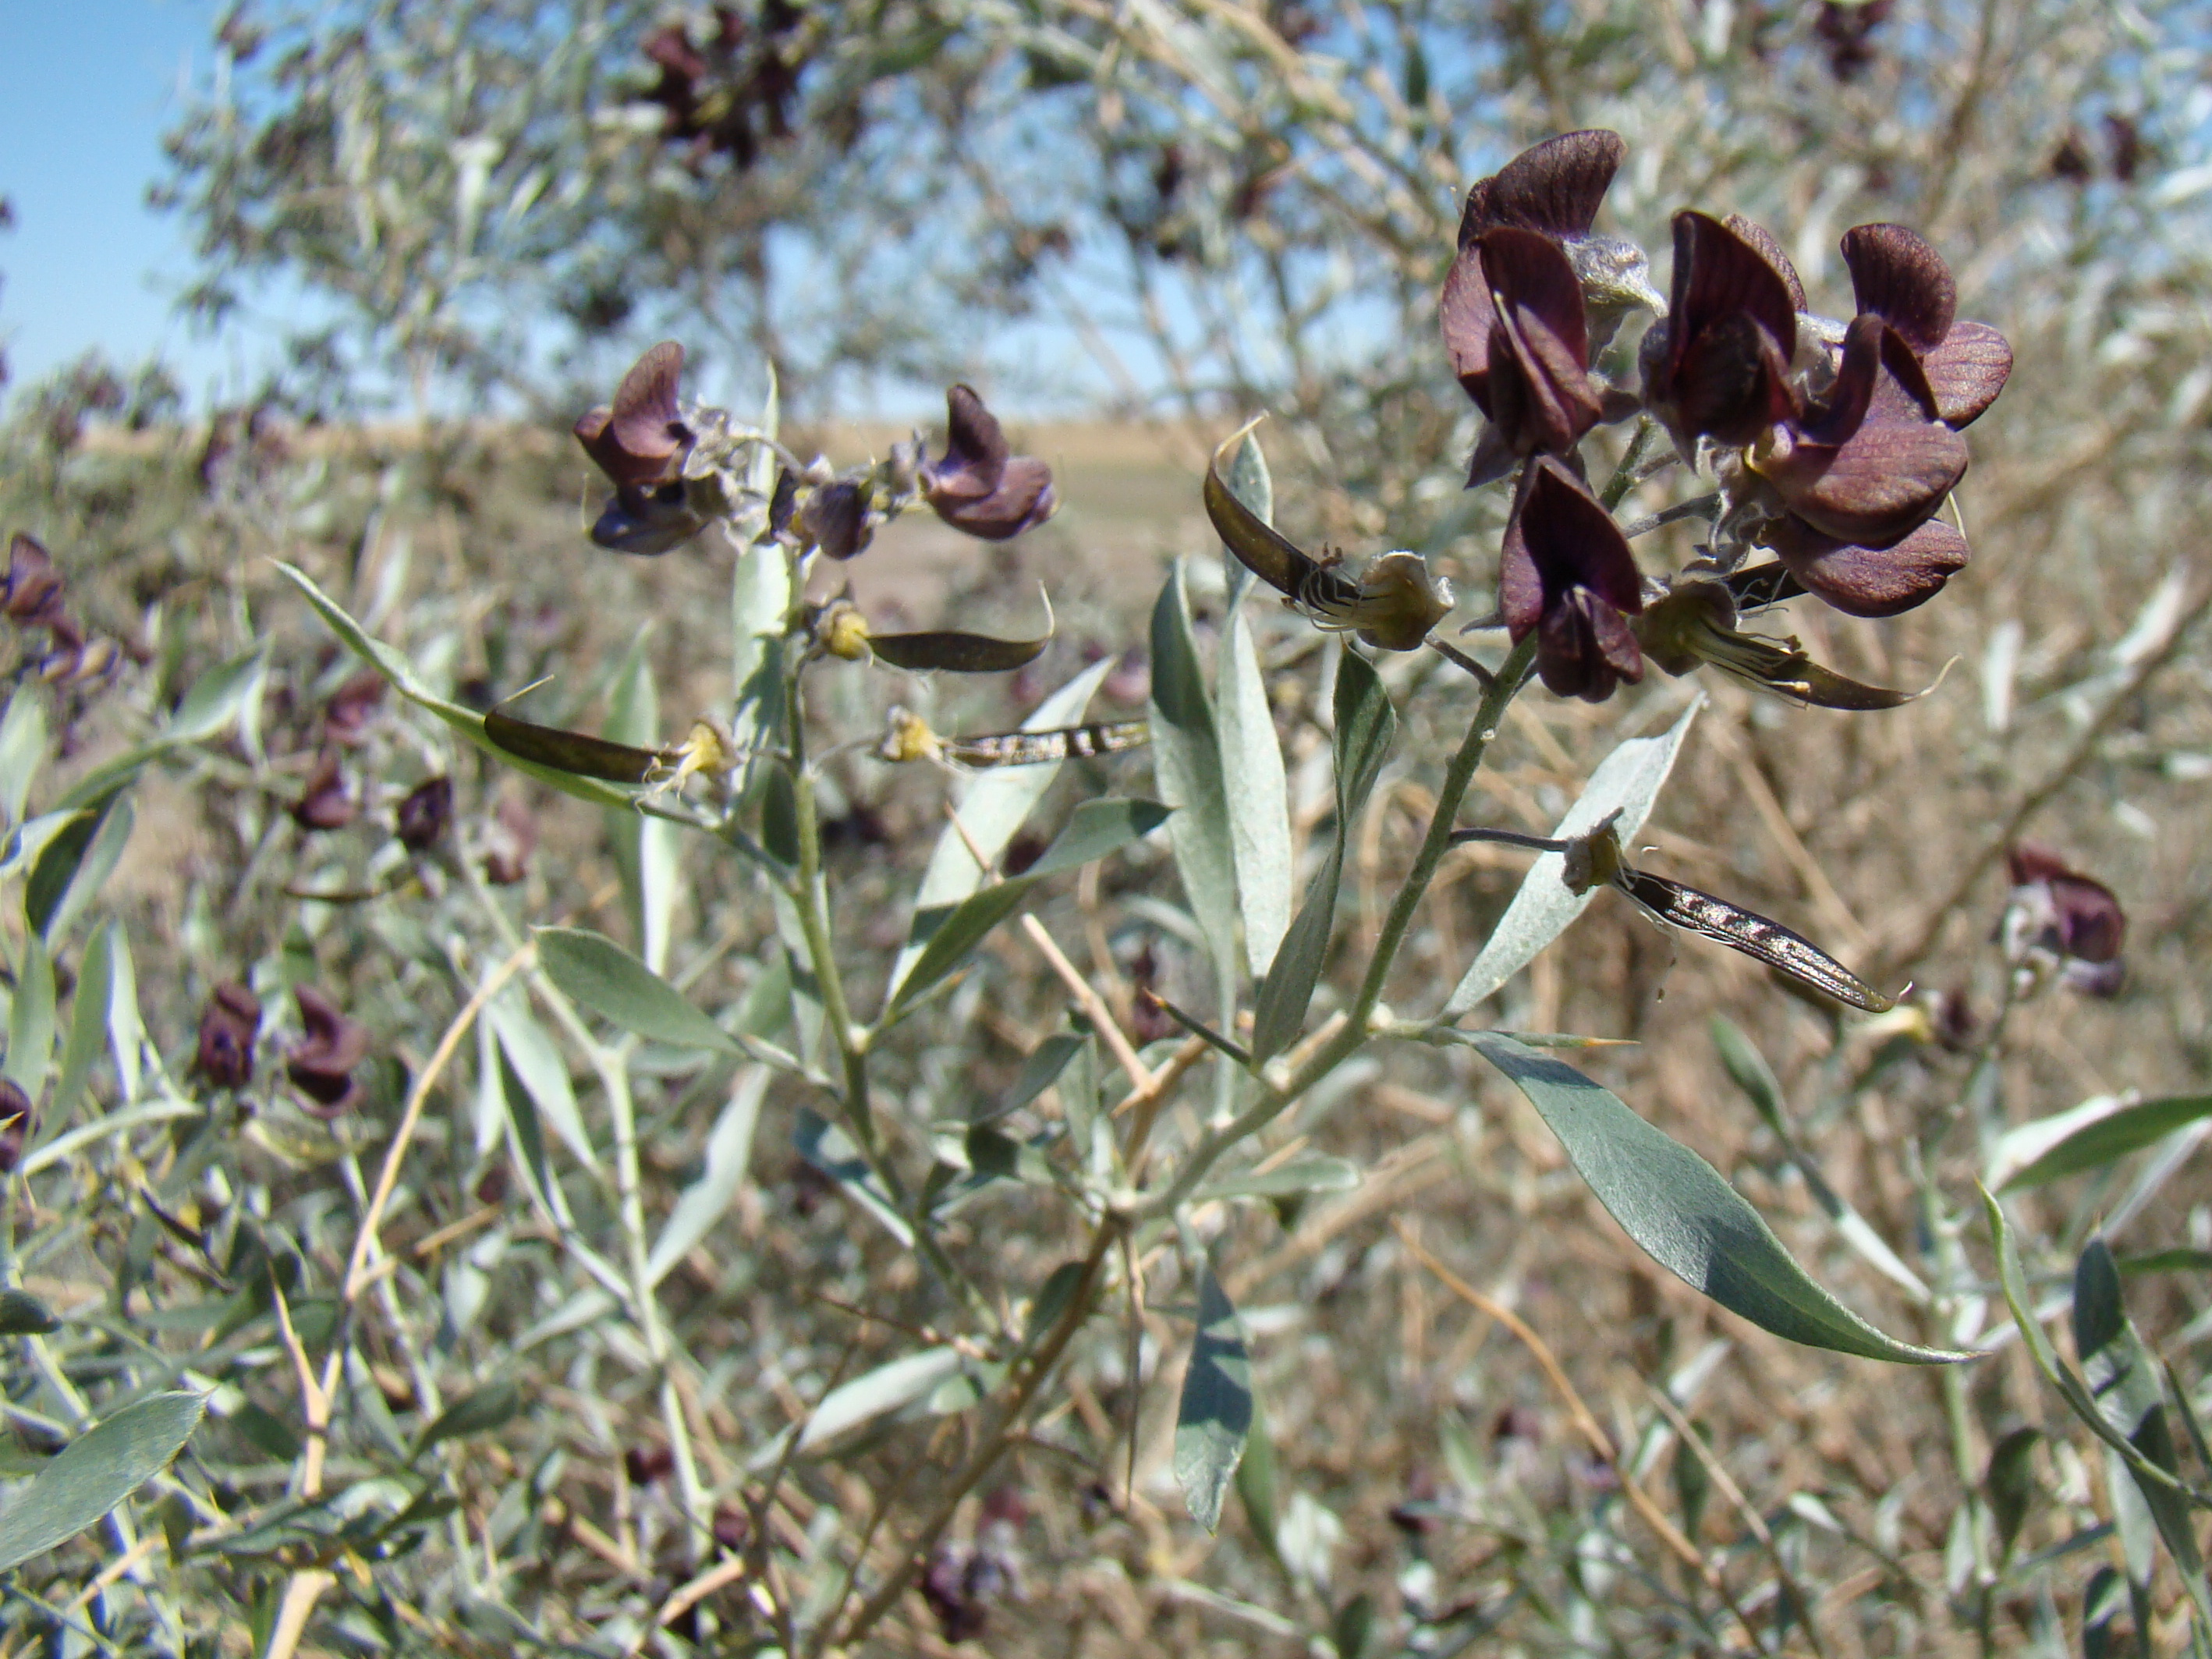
87, 88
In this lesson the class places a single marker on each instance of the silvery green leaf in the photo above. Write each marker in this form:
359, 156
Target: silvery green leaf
707, 1200
1187, 760
594, 970
828, 1149
1257, 795
94, 1473
645, 848
87, 1026
31, 1019
886, 1389
1627, 782
2106, 1137
1366, 726
539, 1068
218, 698
1679, 1210
1216, 1413
992, 808
23, 741
1311, 1173
111, 835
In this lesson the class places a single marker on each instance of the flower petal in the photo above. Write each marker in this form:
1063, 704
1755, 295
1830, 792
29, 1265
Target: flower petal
1555, 186
1865, 582
1770, 249
1967, 371
1898, 277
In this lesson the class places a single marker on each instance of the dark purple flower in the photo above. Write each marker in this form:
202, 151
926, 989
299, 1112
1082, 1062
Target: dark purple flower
834, 518
228, 1027
1871, 461
1515, 325
1718, 366
2058, 917
1568, 577
1555, 187
32, 591
981, 487
732, 1528
321, 1064
1898, 277
1869, 581
641, 442
425, 813
15, 1125
325, 804
352, 707
646, 1464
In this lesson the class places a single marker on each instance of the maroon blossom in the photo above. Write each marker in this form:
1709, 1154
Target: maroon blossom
228, 1027
32, 595
352, 707
641, 442
1871, 461
321, 1064
1555, 187
325, 803
2057, 916
424, 814
1898, 277
1515, 325
1568, 577
1718, 366
981, 487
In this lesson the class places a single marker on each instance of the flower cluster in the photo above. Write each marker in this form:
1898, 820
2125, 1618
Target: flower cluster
32, 593
1834, 442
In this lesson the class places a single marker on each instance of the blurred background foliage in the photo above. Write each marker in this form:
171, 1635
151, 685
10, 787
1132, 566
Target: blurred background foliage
1145, 220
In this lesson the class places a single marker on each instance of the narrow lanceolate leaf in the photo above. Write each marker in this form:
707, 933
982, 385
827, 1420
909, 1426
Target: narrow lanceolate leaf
2112, 1136
1626, 782
886, 1389
594, 970
707, 1200
31, 1019
646, 847
23, 743
218, 698
22, 1314
1680, 1211
1366, 725
1747, 933
1257, 794
94, 1473
827, 1147
466, 722
1216, 1413
1251, 753
1747, 1069
2124, 1381
1038, 1073
539, 1068
1187, 760
478, 1412
1097, 828
577, 753
990, 811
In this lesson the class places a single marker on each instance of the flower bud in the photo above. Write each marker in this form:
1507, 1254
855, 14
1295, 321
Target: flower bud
321, 1064
325, 804
228, 1027
425, 813
843, 631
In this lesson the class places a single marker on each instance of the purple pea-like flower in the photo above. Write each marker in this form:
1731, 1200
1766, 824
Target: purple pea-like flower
981, 487
229, 1028
1568, 577
321, 1064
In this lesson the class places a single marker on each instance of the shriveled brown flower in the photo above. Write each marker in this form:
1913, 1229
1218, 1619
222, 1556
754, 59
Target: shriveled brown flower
16, 1118
980, 487
353, 707
32, 591
325, 803
321, 1064
424, 814
229, 1025
1568, 577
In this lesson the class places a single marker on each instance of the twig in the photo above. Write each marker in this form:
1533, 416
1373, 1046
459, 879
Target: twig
1093, 1006
1587, 1426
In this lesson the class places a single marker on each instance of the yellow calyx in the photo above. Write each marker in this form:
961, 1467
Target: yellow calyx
843, 632
909, 739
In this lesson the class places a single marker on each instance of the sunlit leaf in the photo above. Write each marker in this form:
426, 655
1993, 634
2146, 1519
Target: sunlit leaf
1626, 782
2111, 1138
1680, 1211
594, 970
477, 1412
94, 1473
1187, 762
1216, 1413
1366, 726
707, 1200
887, 1389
